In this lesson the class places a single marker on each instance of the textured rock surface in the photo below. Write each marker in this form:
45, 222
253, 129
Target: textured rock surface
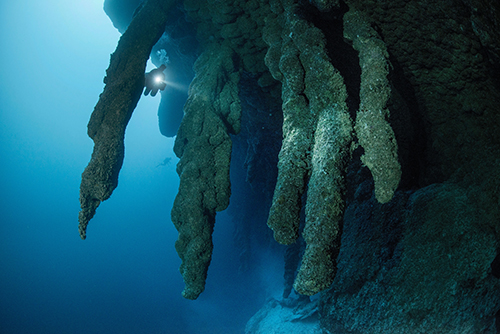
372, 127
419, 265
203, 145
124, 83
229, 34
317, 136
414, 265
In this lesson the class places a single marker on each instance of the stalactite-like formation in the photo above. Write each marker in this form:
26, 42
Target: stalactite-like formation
372, 127
317, 135
263, 38
124, 83
229, 32
298, 128
203, 144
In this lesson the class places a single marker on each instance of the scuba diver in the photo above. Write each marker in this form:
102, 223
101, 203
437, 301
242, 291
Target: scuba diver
155, 80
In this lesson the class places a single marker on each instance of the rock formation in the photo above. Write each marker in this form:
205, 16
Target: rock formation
211, 113
124, 84
390, 148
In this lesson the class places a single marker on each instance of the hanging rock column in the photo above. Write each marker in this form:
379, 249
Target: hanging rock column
317, 136
211, 113
124, 84
372, 127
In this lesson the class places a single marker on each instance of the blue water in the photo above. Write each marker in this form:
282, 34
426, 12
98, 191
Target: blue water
124, 278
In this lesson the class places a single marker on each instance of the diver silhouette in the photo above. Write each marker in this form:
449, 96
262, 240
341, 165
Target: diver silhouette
154, 81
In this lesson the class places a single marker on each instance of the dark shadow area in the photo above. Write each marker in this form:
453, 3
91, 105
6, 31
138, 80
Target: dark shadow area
254, 160
407, 122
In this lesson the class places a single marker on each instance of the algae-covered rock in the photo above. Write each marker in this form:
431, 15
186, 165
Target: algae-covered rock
293, 170
298, 128
325, 201
317, 135
372, 127
203, 145
124, 83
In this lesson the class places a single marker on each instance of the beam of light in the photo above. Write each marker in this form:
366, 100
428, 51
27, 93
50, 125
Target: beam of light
177, 86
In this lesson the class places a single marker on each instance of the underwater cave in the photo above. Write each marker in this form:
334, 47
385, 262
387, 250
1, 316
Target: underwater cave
364, 135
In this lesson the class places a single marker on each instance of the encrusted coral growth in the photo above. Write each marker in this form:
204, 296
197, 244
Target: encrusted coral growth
372, 127
212, 112
124, 83
317, 135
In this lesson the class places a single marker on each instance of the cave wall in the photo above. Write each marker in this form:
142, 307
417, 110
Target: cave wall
422, 262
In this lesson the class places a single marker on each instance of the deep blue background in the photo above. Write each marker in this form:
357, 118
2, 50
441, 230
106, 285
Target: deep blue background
124, 278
